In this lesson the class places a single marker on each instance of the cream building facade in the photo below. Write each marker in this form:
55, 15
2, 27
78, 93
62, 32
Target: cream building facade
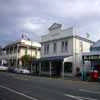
13, 52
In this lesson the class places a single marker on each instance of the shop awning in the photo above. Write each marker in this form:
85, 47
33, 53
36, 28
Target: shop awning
55, 58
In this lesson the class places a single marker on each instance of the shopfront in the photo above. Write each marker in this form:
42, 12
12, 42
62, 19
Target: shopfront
94, 60
58, 66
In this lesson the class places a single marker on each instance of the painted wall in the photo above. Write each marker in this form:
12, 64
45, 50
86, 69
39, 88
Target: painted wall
31, 52
14, 54
58, 49
57, 34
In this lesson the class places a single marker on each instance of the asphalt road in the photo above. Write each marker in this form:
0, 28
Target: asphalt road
23, 87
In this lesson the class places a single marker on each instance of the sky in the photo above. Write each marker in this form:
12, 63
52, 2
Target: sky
33, 17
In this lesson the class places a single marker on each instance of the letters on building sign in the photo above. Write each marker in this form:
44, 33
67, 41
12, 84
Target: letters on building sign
93, 57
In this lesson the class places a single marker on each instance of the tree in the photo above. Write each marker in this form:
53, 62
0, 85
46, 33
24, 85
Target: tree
27, 60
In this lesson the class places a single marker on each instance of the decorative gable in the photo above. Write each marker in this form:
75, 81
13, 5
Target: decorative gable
55, 26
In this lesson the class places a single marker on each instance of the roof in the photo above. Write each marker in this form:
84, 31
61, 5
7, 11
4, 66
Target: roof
96, 44
25, 42
82, 38
62, 33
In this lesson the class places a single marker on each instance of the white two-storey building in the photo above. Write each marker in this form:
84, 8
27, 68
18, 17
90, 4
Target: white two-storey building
13, 52
61, 51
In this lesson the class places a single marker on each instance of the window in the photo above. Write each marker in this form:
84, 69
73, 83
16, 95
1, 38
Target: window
46, 49
45, 67
54, 47
64, 46
81, 46
68, 67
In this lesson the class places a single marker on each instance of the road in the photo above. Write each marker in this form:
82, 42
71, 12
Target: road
24, 87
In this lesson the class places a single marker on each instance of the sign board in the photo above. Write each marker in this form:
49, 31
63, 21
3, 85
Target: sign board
92, 57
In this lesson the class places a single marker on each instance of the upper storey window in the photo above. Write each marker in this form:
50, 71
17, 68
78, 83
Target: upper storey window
46, 49
81, 46
54, 47
64, 46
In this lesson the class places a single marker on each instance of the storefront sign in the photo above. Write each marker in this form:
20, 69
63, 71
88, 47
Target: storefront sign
92, 57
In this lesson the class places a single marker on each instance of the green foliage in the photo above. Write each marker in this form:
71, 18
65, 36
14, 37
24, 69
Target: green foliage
27, 60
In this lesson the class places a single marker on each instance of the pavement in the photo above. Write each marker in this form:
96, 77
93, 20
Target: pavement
25, 87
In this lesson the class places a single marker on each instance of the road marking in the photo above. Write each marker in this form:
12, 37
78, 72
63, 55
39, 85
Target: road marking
89, 91
78, 97
19, 93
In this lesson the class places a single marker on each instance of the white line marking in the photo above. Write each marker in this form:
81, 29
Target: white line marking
94, 92
14, 91
78, 97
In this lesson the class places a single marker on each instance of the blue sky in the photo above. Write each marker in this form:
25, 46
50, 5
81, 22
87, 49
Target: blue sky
35, 16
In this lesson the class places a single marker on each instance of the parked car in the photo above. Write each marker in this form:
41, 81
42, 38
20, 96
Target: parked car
11, 69
3, 68
25, 71
21, 70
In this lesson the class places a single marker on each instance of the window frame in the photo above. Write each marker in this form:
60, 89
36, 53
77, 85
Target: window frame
64, 47
54, 47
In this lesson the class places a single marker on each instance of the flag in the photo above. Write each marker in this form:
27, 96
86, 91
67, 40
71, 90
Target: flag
29, 39
22, 36
25, 36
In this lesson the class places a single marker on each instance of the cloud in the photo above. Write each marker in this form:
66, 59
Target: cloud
35, 16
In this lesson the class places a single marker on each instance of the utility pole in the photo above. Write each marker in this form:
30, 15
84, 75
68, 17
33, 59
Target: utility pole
9, 56
31, 56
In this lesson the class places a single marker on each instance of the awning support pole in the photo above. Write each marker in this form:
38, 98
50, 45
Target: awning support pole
63, 69
50, 69
39, 68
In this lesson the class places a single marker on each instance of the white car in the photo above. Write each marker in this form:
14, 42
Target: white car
3, 68
25, 71
21, 70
